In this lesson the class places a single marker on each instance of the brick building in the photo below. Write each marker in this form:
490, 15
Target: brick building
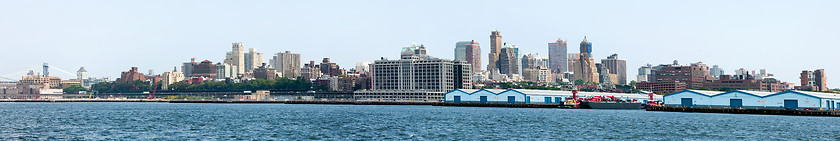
131, 75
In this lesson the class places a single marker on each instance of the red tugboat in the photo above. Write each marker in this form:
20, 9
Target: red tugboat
606, 102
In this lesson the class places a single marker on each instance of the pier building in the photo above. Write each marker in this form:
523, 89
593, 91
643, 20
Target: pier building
753, 99
531, 96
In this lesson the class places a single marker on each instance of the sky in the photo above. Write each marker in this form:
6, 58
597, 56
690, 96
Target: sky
108, 37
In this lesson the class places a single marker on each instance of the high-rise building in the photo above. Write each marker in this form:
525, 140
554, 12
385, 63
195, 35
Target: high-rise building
616, 66
813, 80
693, 76
167, 78
363, 67
253, 59
495, 51
310, 71
572, 58
188, 66
470, 52
438, 75
557, 52
461, 50
224, 71
537, 74
585, 69
329, 68
287, 63
716, 71
645, 73
236, 58
604, 75
509, 60
529, 61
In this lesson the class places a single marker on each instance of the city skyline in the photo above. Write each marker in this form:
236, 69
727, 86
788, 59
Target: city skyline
107, 45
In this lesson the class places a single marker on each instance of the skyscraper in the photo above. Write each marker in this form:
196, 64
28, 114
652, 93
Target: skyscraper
616, 66
188, 66
716, 71
253, 59
585, 66
461, 50
509, 60
557, 52
470, 52
236, 58
495, 50
287, 63
529, 61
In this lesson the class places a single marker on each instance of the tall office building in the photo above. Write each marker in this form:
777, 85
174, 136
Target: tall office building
529, 61
813, 80
645, 73
572, 58
470, 52
616, 66
461, 50
287, 63
509, 60
329, 68
253, 59
557, 52
236, 58
716, 71
585, 66
188, 66
495, 51
224, 71
439, 74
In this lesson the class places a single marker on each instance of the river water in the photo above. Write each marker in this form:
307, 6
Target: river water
186, 121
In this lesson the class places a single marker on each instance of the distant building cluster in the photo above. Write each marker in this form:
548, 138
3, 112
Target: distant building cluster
418, 76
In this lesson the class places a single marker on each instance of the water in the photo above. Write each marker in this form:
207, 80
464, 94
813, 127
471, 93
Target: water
171, 121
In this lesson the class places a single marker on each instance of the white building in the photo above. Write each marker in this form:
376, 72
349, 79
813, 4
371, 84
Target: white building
253, 59
236, 58
167, 78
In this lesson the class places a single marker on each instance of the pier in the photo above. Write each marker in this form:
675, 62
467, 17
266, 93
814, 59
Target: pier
747, 111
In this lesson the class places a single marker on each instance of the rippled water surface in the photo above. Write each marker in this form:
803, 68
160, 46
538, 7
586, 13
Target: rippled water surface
171, 121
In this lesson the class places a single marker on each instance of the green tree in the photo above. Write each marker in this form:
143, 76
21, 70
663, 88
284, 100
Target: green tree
74, 89
579, 82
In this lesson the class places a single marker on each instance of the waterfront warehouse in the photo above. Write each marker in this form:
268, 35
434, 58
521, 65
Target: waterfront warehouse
530, 96
754, 99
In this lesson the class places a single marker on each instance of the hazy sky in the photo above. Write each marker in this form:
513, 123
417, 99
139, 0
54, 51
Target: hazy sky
107, 37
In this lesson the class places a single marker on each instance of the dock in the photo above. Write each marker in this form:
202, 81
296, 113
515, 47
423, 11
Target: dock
350, 102
84, 100
747, 111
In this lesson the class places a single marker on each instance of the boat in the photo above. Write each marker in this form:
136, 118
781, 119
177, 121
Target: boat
611, 105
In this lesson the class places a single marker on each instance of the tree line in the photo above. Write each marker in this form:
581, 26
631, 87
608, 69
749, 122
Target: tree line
255, 84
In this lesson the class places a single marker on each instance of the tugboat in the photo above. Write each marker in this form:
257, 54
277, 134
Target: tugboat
608, 102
